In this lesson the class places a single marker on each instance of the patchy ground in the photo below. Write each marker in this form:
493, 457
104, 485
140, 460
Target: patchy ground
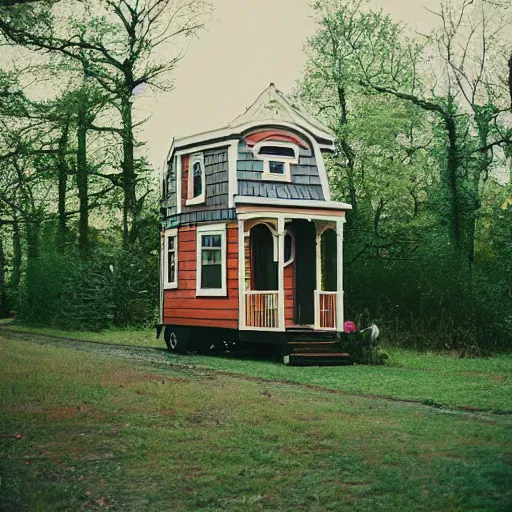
88, 426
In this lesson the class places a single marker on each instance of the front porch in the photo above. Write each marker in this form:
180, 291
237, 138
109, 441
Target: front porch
290, 269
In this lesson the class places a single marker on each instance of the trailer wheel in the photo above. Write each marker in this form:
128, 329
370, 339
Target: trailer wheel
176, 339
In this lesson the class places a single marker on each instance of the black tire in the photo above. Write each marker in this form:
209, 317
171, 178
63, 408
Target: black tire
177, 339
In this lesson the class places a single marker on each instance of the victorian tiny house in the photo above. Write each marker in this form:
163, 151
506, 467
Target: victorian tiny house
251, 243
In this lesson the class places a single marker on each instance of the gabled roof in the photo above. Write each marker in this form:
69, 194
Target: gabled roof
272, 105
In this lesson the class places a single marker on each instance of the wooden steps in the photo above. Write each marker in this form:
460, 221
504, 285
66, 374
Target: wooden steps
306, 347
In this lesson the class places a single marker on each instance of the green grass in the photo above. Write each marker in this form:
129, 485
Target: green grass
436, 379
131, 337
96, 430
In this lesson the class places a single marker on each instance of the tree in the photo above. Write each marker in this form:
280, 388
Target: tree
117, 45
376, 136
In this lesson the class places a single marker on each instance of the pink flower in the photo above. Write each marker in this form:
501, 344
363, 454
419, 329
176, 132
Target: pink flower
349, 327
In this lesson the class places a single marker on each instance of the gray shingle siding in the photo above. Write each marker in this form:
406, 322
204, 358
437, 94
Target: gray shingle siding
279, 190
198, 217
216, 175
169, 202
305, 183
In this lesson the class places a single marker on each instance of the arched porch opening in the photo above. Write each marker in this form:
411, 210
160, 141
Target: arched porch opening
264, 261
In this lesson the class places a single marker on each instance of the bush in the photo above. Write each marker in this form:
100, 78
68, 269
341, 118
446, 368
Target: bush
110, 287
361, 347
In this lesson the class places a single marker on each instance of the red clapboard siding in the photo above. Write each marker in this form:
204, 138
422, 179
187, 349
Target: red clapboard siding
288, 295
181, 306
225, 324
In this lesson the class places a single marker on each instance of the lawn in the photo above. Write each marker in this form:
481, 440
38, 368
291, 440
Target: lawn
91, 426
440, 380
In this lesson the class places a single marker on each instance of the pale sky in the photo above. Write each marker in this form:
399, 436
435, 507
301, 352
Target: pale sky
246, 46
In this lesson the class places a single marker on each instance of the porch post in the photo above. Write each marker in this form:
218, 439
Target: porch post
318, 286
241, 275
340, 302
280, 285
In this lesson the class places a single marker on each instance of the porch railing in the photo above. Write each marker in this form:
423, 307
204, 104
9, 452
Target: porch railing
261, 309
325, 309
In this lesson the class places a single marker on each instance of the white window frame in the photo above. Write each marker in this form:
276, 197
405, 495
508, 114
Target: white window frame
193, 159
287, 161
211, 229
170, 233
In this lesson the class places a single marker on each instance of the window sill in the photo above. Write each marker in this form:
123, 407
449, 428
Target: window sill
170, 286
268, 176
196, 200
211, 292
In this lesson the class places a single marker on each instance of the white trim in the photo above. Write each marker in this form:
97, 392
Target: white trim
290, 216
318, 252
232, 173
161, 293
297, 203
211, 229
241, 275
204, 147
286, 161
322, 171
178, 184
280, 275
170, 233
196, 158
233, 132
340, 299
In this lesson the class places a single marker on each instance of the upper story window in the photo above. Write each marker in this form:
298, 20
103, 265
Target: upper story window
196, 179
277, 158
170, 257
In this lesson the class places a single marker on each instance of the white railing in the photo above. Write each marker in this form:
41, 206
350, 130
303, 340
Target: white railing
261, 309
325, 310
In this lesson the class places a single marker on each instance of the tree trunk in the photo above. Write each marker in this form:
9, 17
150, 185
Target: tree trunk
347, 149
32, 239
129, 175
17, 256
63, 177
82, 178
450, 181
4, 308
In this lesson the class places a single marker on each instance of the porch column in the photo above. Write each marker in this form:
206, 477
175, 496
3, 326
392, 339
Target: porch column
280, 272
340, 302
241, 274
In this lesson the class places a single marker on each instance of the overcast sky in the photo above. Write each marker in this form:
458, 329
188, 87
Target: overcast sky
246, 46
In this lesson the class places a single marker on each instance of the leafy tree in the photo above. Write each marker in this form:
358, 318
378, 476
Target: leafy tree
116, 40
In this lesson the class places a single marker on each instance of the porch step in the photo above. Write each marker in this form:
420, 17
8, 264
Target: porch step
311, 346
303, 335
317, 359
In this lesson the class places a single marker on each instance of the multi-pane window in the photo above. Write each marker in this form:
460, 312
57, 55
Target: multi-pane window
211, 260
170, 256
277, 158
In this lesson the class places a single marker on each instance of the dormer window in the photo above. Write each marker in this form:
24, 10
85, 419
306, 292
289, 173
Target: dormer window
196, 179
277, 158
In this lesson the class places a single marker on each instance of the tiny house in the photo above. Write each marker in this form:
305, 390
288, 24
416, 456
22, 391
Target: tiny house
251, 242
